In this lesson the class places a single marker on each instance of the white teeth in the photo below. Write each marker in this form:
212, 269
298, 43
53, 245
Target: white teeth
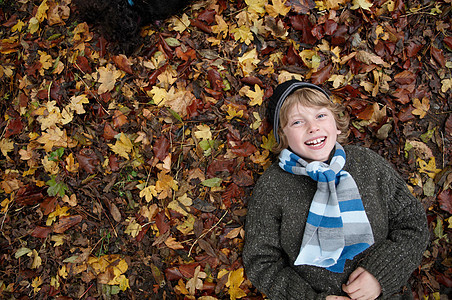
316, 141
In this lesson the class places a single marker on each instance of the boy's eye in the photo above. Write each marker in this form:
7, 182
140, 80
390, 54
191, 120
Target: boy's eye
296, 122
321, 116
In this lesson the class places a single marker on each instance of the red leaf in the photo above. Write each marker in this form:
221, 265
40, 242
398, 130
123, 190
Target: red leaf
113, 163
109, 132
48, 205
302, 23
189, 54
448, 41
188, 270
322, 75
219, 166
245, 149
445, 200
173, 273
216, 82
207, 16
412, 49
165, 48
194, 108
162, 224
29, 195
41, 232
161, 147
252, 80
292, 57
204, 27
65, 223
87, 160
340, 36
123, 63
82, 64
243, 178
14, 126
330, 27
405, 77
302, 6
405, 114
438, 56
318, 31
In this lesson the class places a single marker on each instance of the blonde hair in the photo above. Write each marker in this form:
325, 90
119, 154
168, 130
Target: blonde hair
311, 98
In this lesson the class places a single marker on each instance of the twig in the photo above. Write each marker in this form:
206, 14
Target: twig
204, 234
81, 296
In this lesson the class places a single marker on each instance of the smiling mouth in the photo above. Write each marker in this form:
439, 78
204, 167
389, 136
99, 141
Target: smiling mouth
315, 142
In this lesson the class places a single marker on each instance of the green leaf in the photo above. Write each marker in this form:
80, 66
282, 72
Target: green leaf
176, 115
425, 137
56, 155
212, 182
56, 188
21, 252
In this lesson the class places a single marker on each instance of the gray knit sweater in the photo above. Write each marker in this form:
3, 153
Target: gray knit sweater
276, 219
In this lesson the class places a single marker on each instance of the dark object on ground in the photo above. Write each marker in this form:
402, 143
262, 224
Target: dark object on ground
120, 20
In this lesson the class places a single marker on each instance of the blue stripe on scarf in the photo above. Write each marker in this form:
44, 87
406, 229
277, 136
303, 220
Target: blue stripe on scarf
351, 205
322, 221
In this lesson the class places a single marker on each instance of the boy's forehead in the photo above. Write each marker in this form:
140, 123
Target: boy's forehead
298, 108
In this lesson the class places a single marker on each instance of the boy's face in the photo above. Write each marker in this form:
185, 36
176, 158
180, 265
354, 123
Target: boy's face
311, 132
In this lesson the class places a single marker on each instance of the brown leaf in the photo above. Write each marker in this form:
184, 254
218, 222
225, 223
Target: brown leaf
216, 82
302, 23
29, 195
64, 223
405, 77
245, 149
14, 126
48, 205
302, 6
207, 15
204, 27
87, 160
109, 132
243, 178
438, 56
449, 126
445, 200
119, 119
252, 80
412, 49
161, 222
448, 41
82, 64
292, 57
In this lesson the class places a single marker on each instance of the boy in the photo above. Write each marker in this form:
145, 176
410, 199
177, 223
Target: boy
329, 222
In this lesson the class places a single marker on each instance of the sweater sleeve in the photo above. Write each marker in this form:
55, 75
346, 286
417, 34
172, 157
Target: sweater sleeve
265, 263
393, 260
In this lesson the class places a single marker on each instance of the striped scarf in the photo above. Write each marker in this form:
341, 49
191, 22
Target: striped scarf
337, 227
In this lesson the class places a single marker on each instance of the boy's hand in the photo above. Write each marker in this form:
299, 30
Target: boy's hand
362, 285
332, 297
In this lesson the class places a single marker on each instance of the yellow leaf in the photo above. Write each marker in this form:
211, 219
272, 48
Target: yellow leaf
421, 108
364, 4
180, 24
446, 84
232, 113
6, 146
41, 12
107, 78
36, 282
278, 8
62, 272
203, 132
256, 96
33, 25
180, 204
123, 282
45, 60
221, 28
428, 168
256, 6
123, 146
158, 95
148, 193
59, 212
258, 121
18, 27
173, 244
235, 279
187, 227
77, 103
36, 259
165, 184
268, 142
58, 239
133, 228
236, 292
71, 165
243, 34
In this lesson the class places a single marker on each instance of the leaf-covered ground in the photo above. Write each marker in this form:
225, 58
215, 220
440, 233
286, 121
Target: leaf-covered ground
127, 177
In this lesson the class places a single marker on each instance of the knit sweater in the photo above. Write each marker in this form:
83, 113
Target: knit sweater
277, 216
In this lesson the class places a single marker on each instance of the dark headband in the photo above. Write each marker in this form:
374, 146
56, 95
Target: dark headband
280, 95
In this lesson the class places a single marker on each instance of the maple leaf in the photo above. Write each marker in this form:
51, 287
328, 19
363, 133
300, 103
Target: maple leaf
256, 96
242, 34
133, 228
203, 132
268, 142
258, 121
173, 244
6, 146
364, 4
235, 279
149, 193
77, 102
180, 24
123, 146
71, 165
180, 205
428, 168
232, 113
446, 84
107, 78
278, 8
222, 28
58, 212
35, 283
187, 227
421, 108
165, 184
159, 95
256, 6
37, 261
58, 239
195, 282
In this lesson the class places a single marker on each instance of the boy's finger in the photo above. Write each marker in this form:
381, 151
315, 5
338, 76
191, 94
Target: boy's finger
355, 274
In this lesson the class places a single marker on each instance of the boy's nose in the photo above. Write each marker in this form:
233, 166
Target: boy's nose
313, 127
